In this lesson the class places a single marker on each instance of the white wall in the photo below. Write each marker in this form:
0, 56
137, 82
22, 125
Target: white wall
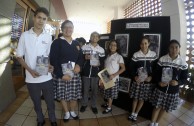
175, 9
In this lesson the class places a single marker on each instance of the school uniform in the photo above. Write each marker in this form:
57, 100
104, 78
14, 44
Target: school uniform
90, 74
143, 90
168, 97
63, 52
112, 65
31, 46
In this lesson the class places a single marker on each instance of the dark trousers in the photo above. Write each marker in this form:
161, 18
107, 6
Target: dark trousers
46, 88
87, 83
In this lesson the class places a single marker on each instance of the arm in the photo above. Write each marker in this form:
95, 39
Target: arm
121, 70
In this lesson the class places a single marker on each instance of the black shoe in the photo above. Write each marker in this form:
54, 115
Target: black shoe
65, 120
104, 105
107, 111
95, 110
40, 123
83, 108
53, 124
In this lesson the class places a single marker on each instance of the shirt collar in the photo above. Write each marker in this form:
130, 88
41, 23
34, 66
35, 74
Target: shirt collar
93, 46
62, 37
32, 31
168, 56
143, 53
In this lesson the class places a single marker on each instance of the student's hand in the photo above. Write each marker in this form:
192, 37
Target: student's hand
137, 79
76, 69
87, 57
112, 76
173, 83
51, 68
101, 84
34, 73
66, 77
163, 84
148, 79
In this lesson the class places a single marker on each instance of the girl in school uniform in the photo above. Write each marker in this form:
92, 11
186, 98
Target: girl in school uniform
141, 75
171, 73
65, 50
114, 63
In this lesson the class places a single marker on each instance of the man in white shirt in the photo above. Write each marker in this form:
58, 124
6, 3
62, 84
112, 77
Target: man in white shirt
33, 43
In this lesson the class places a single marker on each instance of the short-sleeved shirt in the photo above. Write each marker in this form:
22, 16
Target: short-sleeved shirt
30, 46
112, 63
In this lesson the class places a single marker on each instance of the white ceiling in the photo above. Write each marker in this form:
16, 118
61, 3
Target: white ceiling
93, 10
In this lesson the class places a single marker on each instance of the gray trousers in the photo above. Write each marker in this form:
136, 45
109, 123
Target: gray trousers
46, 88
87, 83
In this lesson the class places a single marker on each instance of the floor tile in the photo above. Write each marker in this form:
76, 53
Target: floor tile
23, 110
28, 103
33, 113
30, 121
70, 123
16, 120
190, 114
145, 123
168, 117
86, 115
186, 119
58, 114
107, 120
118, 111
177, 113
122, 120
89, 122
178, 122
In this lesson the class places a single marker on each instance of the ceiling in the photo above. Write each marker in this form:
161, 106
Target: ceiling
93, 10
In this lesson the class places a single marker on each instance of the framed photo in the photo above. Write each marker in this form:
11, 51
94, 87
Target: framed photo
123, 40
124, 84
154, 42
106, 44
105, 77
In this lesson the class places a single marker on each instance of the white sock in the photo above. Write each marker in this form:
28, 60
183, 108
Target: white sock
156, 124
151, 124
109, 108
67, 115
73, 113
135, 114
132, 113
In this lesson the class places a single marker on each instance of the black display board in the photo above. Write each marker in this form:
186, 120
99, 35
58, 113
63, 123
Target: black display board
157, 25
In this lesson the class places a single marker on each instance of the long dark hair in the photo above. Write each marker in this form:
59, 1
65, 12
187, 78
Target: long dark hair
118, 47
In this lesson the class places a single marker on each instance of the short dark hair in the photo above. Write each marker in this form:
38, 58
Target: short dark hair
174, 41
95, 33
43, 10
64, 23
145, 37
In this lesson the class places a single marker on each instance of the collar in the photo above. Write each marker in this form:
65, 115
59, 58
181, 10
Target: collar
32, 31
93, 46
62, 37
143, 53
168, 56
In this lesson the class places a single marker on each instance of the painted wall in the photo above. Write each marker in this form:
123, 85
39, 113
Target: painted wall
7, 93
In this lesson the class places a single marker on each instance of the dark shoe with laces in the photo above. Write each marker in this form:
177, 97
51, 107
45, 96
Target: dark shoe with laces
95, 110
106, 111
75, 117
40, 123
104, 105
53, 123
83, 108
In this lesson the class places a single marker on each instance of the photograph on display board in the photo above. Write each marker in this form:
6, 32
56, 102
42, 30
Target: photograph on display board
123, 40
124, 84
106, 44
154, 42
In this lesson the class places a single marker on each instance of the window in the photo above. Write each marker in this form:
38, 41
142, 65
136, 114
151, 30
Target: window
143, 8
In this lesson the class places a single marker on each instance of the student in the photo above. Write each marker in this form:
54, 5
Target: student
38, 45
90, 70
141, 75
67, 88
114, 63
171, 73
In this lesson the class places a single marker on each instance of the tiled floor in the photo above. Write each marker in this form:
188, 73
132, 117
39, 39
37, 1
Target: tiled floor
21, 113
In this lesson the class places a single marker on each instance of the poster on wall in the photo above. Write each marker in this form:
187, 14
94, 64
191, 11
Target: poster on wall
123, 40
124, 84
154, 42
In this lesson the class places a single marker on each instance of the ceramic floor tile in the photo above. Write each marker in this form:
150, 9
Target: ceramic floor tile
118, 111
186, 119
168, 117
70, 123
178, 122
24, 88
33, 113
58, 105
103, 115
58, 114
16, 120
89, 122
30, 121
28, 103
145, 123
122, 120
190, 114
23, 110
182, 109
86, 115
107, 121
177, 113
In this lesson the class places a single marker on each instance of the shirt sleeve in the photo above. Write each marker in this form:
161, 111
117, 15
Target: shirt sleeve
120, 60
21, 47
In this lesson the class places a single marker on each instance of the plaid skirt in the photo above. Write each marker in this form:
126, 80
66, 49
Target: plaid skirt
166, 101
141, 91
68, 90
112, 92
